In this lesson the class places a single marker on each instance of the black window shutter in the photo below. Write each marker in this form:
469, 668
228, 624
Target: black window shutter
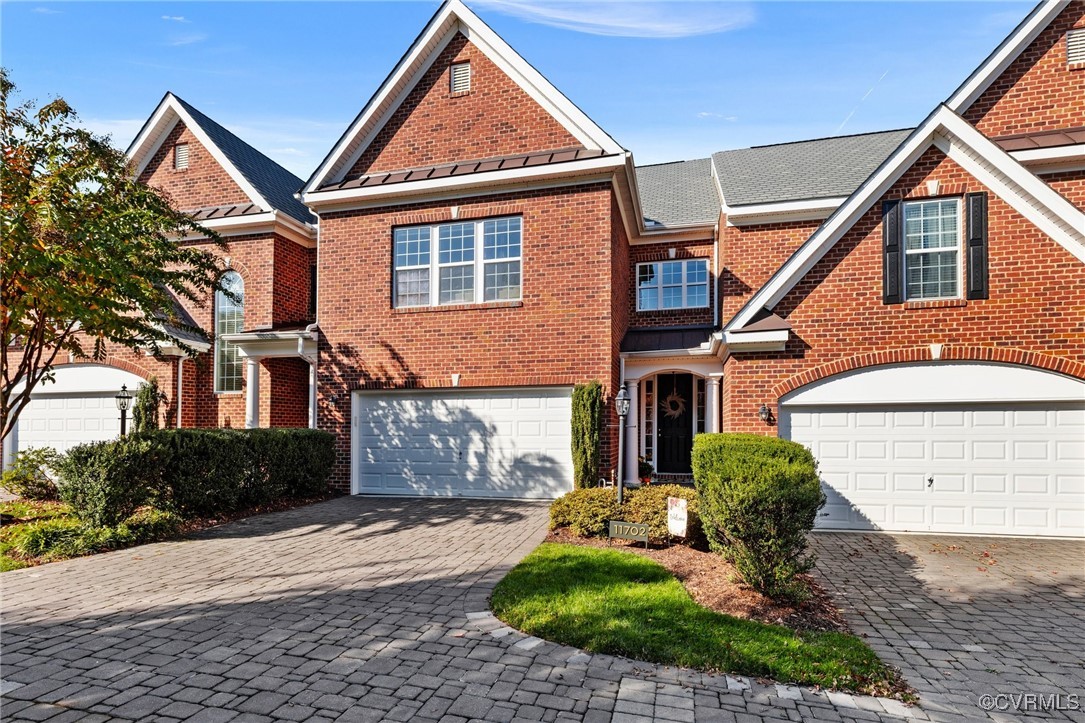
893, 266
977, 245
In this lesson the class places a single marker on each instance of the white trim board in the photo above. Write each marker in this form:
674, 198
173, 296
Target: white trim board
453, 17
974, 152
162, 122
1007, 52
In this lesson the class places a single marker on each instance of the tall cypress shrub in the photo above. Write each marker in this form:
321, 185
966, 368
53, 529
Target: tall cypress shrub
587, 421
145, 407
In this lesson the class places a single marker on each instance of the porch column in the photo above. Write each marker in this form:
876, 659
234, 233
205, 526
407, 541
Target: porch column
252, 393
631, 462
312, 395
11, 447
712, 403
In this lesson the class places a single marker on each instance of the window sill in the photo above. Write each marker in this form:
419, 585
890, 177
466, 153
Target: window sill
458, 307
672, 310
229, 394
936, 304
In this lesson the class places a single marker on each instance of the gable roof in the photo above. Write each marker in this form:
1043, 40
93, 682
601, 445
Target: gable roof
976, 154
1007, 52
451, 18
267, 184
802, 170
678, 194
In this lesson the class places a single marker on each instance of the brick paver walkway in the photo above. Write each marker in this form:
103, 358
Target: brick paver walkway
363, 609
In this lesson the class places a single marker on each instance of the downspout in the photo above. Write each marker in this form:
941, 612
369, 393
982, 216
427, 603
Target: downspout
180, 387
312, 330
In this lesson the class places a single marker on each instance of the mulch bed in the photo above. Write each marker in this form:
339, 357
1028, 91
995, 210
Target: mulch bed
711, 581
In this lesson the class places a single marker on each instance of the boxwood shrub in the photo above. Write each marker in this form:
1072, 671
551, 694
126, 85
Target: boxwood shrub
586, 512
759, 498
648, 505
104, 482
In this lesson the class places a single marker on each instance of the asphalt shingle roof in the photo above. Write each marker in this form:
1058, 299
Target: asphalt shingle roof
678, 194
822, 168
271, 180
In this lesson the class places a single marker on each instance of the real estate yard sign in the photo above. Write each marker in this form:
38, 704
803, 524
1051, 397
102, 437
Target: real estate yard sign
676, 516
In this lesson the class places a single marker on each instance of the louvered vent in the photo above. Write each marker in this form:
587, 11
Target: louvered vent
180, 156
461, 77
1075, 46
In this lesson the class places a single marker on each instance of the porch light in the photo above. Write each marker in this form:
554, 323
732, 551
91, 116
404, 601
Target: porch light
124, 401
621, 402
764, 414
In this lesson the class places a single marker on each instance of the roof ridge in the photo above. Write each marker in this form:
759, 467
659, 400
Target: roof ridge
672, 163
815, 140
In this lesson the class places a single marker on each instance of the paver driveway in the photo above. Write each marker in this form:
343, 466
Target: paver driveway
354, 609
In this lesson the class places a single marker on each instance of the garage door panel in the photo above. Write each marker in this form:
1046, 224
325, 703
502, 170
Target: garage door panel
997, 469
493, 443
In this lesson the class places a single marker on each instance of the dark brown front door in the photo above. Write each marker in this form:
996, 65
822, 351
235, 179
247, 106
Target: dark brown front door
674, 420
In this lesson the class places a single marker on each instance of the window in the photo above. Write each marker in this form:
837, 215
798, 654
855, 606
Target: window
672, 285
474, 262
229, 319
180, 156
932, 247
460, 78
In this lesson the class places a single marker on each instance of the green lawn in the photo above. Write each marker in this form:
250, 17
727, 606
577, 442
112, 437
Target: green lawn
606, 601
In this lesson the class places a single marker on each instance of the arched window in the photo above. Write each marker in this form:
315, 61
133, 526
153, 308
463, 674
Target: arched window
229, 319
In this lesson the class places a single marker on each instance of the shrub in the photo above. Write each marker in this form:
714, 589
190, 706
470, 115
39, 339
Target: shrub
587, 420
291, 463
586, 512
759, 497
148, 524
145, 406
648, 505
204, 470
29, 475
105, 482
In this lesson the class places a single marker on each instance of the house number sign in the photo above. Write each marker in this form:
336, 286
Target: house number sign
629, 531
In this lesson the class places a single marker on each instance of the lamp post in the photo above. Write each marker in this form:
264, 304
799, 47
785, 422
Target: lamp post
621, 404
124, 401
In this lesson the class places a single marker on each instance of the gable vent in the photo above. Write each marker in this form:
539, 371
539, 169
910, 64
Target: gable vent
1075, 46
461, 77
180, 156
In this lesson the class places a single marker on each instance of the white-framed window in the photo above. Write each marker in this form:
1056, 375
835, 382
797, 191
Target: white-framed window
672, 285
229, 319
463, 262
932, 249
180, 156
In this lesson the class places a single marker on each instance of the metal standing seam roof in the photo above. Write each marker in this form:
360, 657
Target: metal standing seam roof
1041, 139
272, 181
678, 194
821, 168
664, 338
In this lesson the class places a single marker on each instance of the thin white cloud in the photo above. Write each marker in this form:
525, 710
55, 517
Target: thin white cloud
176, 18
631, 19
718, 116
188, 39
48, 11
120, 130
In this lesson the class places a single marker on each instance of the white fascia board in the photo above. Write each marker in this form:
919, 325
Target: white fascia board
738, 339
268, 344
460, 183
704, 351
156, 131
838, 224
987, 162
268, 222
674, 234
806, 210
1008, 51
453, 17
1049, 156
1015, 184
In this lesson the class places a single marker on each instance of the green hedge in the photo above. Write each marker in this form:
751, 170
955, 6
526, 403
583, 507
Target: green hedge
194, 472
759, 497
587, 512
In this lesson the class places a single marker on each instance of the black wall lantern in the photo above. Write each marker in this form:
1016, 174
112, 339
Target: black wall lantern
765, 414
124, 401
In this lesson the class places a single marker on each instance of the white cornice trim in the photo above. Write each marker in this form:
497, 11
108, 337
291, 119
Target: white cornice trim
782, 211
451, 18
162, 122
267, 222
1008, 51
399, 191
977, 154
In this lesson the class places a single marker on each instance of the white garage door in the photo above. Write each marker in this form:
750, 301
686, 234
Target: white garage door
947, 464
486, 443
78, 407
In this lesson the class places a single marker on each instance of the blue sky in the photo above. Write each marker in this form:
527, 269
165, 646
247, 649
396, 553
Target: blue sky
669, 80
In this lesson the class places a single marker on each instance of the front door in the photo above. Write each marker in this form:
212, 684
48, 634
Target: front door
674, 415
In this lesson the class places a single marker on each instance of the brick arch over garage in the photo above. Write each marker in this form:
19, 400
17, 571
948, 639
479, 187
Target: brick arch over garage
115, 361
950, 352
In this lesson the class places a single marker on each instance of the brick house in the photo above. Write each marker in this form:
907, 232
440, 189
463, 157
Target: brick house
910, 304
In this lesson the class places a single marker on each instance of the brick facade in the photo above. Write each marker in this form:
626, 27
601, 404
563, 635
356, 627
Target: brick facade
1035, 314
204, 183
1039, 91
661, 252
750, 255
434, 126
